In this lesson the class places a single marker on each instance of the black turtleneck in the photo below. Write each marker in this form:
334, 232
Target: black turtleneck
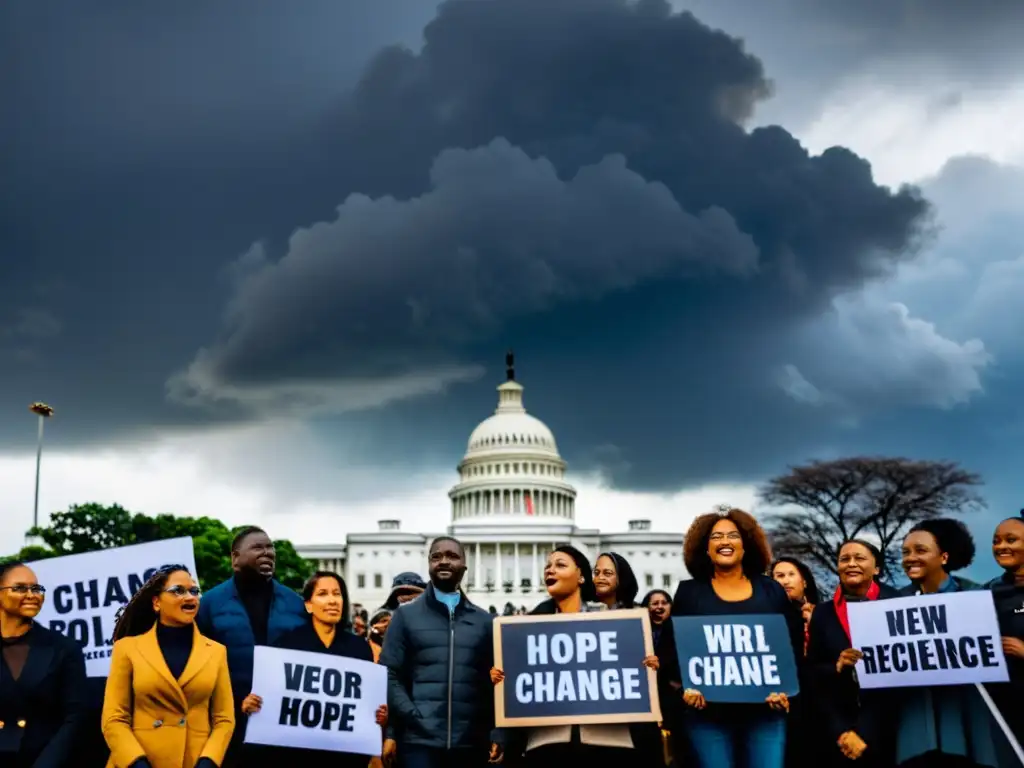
176, 646
256, 592
14, 652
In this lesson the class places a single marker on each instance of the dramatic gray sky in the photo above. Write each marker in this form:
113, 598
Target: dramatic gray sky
265, 262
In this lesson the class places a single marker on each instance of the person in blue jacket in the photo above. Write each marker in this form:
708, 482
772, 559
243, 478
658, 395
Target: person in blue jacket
249, 609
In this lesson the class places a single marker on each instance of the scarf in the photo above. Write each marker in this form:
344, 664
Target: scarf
840, 603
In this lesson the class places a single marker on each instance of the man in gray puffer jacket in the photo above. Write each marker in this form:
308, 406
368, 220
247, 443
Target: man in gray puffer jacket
439, 653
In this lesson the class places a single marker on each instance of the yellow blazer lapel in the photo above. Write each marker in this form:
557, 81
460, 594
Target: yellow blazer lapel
202, 652
149, 649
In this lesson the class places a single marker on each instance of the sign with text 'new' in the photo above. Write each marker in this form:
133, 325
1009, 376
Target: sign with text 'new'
317, 701
575, 668
85, 591
736, 659
942, 639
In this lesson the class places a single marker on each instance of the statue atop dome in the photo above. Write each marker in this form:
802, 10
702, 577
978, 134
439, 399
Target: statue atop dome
510, 365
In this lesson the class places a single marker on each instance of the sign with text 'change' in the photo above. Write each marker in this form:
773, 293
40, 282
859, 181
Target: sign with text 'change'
951, 638
84, 591
736, 659
575, 668
317, 701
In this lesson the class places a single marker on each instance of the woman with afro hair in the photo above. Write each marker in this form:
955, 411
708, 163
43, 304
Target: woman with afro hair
727, 555
947, 725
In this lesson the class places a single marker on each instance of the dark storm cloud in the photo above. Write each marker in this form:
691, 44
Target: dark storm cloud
627, 110
143, 144
390, 285
635, 80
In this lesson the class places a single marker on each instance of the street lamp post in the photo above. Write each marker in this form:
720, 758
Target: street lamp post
43, 411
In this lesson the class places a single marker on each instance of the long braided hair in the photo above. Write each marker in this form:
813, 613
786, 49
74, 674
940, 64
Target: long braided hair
136, 617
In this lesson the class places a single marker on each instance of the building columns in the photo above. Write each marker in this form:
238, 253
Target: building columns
535, 579
517, 579
499, 576
477, 584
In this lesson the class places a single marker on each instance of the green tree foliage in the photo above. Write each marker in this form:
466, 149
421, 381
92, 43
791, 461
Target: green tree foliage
91, 527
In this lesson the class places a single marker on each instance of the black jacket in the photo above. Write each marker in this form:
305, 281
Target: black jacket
439, 687
840, 705
49, 697
305, 638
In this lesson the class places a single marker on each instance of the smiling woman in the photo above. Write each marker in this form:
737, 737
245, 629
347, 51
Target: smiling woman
727, 554
328, 631
42, 678
857, 724
932, 551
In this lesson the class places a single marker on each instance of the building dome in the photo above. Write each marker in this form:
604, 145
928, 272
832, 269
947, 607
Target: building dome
512, 470
512, 429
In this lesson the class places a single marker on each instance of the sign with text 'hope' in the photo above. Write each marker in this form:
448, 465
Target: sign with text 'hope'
85, 591
575, 668
317, 701
944, 639
736, 659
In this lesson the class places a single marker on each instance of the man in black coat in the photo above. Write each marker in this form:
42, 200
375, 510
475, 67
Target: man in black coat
439, 653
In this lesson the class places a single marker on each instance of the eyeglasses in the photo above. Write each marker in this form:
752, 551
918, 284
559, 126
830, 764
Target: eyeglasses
730, 536
179, 591
24, 589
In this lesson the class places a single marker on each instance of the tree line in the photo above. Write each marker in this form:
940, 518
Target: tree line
813, 509
91, 527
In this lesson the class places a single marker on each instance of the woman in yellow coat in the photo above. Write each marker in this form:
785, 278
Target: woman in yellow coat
168, 701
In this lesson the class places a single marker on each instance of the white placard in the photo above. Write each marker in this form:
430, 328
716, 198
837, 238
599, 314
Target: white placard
83, 592
317, 701
941, 639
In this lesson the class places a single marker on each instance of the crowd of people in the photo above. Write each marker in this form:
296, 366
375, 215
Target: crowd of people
180, 689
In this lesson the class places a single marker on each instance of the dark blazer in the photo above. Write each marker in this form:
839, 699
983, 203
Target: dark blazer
839, 703
440, 664
42, 712
305, 638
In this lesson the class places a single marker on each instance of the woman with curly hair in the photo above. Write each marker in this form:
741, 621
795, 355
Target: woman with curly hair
941, 725
727, 555
168, 701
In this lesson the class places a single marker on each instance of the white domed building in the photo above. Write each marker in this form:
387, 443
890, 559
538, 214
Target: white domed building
511, 507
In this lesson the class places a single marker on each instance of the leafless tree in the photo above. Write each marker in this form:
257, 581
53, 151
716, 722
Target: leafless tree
824, 503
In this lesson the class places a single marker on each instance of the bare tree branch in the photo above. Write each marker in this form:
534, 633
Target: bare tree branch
876, 497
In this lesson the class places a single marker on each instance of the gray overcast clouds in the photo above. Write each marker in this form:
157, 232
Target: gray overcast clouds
231, 212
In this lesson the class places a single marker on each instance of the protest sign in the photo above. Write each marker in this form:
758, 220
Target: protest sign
575, 668
736, 659
951, 638
84, 591
317, 701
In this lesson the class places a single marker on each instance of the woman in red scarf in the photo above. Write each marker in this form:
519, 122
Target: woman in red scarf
858, 725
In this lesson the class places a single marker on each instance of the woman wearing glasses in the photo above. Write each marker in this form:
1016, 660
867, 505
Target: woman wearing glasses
42, 679
168, 701
727, 555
